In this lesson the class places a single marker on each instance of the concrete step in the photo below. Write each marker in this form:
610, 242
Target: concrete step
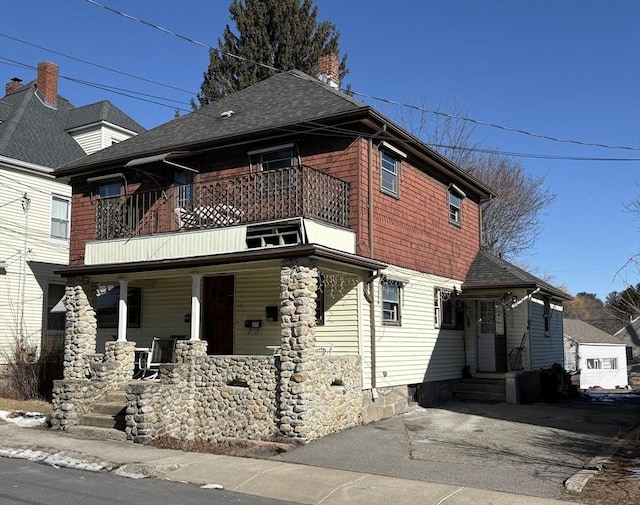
103, 421
95, 433
109, 408
481, 385
117, 396
480, 396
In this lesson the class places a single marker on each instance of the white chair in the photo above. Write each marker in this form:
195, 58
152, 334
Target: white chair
162, 350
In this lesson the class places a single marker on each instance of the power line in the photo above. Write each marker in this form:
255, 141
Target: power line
386, 100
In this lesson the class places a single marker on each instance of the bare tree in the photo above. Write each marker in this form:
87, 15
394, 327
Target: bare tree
510, 221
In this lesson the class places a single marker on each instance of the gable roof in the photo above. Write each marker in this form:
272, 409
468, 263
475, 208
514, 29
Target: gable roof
286, 103
585, 333
489, 272
630, 334
33, 132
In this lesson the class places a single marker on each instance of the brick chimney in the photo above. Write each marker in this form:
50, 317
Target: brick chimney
329, 69
12, 86
47, 82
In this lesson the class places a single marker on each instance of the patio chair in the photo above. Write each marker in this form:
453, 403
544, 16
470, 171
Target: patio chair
162, 350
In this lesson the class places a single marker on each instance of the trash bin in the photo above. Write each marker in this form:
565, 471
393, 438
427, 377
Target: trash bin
513, 383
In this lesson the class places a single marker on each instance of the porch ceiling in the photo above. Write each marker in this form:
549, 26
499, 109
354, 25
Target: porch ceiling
306, 250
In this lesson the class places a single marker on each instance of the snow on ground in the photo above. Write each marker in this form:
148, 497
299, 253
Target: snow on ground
24, 419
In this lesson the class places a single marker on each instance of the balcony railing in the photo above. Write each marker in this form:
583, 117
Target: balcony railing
226, 201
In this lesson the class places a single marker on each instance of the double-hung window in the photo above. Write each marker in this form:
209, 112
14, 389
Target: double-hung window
60, 207
274, 164
456, 195
390, 168
391, 291
448, 311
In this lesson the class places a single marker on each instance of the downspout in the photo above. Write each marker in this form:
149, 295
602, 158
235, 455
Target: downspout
368, 292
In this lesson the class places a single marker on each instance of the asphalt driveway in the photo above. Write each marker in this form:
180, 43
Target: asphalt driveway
524, 449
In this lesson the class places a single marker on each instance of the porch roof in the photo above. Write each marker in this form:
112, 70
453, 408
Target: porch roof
491, 273
306, 250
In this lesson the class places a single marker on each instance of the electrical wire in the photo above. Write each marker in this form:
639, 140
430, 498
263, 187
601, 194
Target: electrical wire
386, 100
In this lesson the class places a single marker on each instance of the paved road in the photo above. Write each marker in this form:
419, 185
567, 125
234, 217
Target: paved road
524, 449
24, 482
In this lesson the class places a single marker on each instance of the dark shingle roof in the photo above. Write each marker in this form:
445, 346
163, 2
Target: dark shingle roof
630, 334
35, 133
288, 98
488, 272
585, 333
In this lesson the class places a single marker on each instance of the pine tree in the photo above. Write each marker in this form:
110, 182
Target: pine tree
282, 34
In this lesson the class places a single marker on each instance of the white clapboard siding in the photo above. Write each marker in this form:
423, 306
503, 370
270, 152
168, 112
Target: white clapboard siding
416, 351
546, 349
28, 251
99, 136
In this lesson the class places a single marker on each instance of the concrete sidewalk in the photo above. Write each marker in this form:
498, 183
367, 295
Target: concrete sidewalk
266, 478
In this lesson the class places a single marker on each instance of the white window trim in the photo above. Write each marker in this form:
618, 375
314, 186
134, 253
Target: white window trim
455, 190
68, 219
400, 285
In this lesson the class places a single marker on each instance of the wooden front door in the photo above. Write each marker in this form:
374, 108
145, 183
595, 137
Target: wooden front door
217, 320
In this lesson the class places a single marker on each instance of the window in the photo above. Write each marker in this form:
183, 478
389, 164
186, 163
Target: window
448, 310
182, 180
456, 195
547, 316
60, 217
277, 159
594, 364
391, 302
55, 319
107, 311
110, 189
609, 363
389, 173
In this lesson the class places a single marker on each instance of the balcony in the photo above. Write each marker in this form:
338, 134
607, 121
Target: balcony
226, 201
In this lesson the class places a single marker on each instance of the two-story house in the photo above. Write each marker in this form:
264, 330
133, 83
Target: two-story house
287, 217
40, 131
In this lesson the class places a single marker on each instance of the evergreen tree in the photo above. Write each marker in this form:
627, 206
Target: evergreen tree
282, 34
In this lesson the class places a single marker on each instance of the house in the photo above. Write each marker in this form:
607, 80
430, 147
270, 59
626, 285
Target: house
40, 131
630, 335
600, 358
286, 217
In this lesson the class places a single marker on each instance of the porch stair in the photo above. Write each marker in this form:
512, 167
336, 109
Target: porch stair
481, 390
106, 421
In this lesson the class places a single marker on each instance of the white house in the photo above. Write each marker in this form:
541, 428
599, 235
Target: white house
600, 358
40, 131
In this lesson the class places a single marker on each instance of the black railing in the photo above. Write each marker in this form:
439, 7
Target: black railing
226, 201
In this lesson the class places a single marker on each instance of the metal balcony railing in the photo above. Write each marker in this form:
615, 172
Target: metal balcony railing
226, 201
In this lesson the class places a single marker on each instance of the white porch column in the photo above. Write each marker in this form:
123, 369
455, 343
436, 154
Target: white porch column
123, 311
196, 281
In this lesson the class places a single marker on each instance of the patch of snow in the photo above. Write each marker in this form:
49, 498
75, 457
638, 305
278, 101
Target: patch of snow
24, 419
212, 486
56, 460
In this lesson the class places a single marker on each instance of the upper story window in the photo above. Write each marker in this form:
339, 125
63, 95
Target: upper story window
60, 207
390, 158
456, 195
110, 189
183, 182
273, 158
391, 291
448, 311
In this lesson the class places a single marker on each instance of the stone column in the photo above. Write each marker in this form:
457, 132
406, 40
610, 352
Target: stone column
80, 329
188, 350
121, 356
298, 286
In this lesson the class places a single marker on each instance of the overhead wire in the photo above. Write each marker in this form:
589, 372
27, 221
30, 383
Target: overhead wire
392, 102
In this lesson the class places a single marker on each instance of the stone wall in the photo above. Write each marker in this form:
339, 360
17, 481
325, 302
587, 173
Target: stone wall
72, 398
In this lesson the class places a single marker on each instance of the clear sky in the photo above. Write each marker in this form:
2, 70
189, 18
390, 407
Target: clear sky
568, 69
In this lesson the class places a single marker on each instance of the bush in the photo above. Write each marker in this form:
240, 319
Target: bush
29, 375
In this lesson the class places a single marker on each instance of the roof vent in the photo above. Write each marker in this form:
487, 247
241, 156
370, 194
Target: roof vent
226, 114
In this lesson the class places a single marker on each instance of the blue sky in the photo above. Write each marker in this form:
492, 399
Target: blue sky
568, 69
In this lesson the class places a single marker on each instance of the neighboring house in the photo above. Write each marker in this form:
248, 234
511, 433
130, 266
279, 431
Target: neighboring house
286, 216
630, 335
600, 358
40, 131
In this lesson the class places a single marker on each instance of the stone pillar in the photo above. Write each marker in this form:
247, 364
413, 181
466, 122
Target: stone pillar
187, 350
80, 329
122, 355
298, 286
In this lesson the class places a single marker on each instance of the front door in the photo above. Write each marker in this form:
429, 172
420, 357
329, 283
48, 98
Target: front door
487, 337
217, 320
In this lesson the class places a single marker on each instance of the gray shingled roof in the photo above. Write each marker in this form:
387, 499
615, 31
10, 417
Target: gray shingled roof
583, 332
489, 272
35, 133
287, 98
630, 334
